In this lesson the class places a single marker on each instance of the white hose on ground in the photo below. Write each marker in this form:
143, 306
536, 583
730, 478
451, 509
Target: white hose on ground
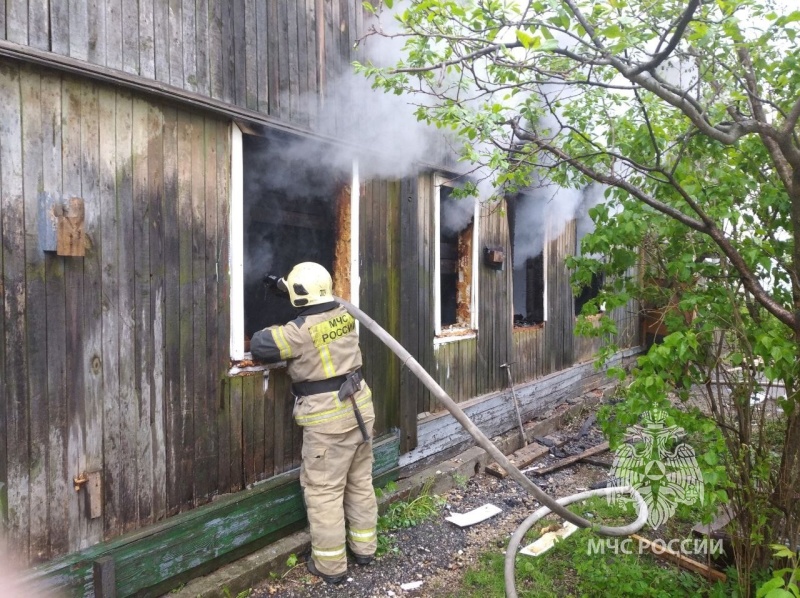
519, 533
550, 504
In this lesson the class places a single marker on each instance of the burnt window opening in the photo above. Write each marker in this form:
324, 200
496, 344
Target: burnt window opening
528, 272
455, 243
588, 292
529, 292
294, 210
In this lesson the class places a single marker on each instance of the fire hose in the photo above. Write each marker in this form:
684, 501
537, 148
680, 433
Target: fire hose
549, 504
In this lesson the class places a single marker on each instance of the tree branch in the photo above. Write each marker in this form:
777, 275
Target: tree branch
774, 147
611, 180
791, 119
727, 134
704, 225
680, 28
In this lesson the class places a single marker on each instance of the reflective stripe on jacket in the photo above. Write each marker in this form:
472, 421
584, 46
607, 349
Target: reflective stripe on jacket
320, 344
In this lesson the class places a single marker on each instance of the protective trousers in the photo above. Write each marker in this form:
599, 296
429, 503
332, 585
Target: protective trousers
336, 476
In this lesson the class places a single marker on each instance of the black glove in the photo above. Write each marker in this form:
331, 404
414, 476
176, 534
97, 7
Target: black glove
276, 285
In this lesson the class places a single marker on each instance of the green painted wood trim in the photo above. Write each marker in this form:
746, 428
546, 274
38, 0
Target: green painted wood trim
186, 542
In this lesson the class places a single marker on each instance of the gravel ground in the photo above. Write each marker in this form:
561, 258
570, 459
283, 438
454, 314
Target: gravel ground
437, 552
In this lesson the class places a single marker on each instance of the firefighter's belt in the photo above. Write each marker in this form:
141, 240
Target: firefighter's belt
315, 387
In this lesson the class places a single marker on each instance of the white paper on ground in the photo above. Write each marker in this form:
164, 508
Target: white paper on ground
474, 516
547, 541
413, 585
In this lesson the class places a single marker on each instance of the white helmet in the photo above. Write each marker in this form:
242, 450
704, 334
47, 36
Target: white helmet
309, 284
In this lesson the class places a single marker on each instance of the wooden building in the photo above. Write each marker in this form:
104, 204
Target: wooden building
141, 147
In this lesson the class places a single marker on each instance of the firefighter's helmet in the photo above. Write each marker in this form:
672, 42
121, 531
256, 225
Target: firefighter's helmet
309, 284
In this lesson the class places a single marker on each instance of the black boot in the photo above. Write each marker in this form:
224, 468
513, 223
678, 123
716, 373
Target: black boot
331, 579
363, 559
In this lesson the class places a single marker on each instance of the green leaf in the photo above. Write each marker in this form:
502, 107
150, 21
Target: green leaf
770, 586
779, 550
791, 17
549, 45
527, 40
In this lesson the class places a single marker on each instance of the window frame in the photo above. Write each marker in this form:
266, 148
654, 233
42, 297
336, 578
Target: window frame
236, 249
453, 334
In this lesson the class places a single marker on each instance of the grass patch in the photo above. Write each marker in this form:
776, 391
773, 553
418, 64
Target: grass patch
406, 513
569, 569
403, 514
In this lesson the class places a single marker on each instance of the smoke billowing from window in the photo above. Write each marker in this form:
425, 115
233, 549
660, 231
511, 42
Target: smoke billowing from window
456, 214
542, 214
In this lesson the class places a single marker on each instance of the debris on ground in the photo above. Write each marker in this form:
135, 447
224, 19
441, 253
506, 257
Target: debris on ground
436, 554
549, 538
474, 516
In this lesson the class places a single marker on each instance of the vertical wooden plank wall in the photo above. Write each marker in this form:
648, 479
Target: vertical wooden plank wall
116, 361
6, 77
412, 329
415, 332
273, 57
559, 335
16, 510
494, 328
379, 248
464, 368
59, 488
36, 308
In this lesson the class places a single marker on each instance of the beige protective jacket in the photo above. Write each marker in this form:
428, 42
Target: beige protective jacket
320, 344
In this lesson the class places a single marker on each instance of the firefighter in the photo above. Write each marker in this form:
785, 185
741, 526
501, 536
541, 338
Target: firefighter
333, 404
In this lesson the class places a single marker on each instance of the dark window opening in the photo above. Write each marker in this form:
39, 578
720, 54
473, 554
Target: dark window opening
455, 259
529, 306
292, 213
528, 271
588, 292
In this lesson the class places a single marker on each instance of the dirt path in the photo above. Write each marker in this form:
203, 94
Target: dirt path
437, 553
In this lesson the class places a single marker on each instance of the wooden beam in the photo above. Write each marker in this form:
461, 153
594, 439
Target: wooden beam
593, 461
104, 577
523, 457
560, 464
685, 562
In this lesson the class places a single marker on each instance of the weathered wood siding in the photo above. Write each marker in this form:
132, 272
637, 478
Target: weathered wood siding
380, 293
553, 346
117, 361
559, 337
467, 367
627, 320
275, 57
495, 311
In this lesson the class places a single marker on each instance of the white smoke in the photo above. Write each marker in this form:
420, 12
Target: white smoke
593, 195
456, 214
541, 214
